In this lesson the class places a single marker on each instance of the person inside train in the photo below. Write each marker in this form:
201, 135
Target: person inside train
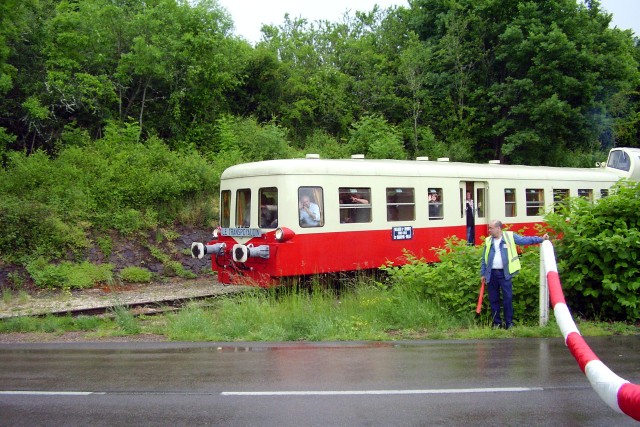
357, 199
268, 213
471, 220
435, 204
309, 212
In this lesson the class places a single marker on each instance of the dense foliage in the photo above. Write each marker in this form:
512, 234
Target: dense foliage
527, 81
597, 248
119, 116
454, 282
599, 254
59, 208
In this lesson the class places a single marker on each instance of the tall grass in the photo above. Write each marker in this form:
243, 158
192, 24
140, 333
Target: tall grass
366, 312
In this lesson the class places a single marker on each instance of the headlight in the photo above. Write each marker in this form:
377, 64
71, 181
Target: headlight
283, 234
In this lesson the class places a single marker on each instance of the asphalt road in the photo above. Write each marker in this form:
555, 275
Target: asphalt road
488, 382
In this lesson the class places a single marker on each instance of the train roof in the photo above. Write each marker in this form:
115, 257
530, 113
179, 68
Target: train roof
413, 168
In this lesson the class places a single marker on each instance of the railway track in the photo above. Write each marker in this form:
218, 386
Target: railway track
137, 308
146, 299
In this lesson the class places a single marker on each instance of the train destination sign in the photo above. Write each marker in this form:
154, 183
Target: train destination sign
402, 233
241, 232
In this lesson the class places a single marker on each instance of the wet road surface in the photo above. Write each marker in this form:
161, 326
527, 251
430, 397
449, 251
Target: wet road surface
485, 382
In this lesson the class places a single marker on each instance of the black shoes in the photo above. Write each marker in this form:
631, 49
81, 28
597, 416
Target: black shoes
501, 326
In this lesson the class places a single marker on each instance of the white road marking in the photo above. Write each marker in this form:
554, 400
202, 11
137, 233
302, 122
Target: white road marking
47, 393
381, 392
291, 392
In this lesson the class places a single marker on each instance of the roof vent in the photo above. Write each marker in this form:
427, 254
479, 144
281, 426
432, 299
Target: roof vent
494, 162
357, 156
422, 158
312, 156
443, 159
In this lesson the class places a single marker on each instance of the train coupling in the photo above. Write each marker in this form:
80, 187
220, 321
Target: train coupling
199, 250
241, 253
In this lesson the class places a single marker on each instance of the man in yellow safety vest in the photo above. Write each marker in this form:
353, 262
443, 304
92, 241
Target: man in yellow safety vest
498, 270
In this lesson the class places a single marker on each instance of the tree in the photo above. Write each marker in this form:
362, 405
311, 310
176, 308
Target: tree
375, 138
169, 64
530, 80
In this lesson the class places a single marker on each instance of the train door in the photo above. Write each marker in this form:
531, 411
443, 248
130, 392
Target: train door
473, 209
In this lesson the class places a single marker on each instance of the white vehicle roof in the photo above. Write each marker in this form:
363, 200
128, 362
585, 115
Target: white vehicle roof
414, 168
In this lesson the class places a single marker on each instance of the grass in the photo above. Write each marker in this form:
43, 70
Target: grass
364, 312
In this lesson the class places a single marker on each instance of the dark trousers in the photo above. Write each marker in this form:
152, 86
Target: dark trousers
497, 284
471, 235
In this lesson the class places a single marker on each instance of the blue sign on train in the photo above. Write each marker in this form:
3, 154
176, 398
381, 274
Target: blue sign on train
402, 233
241, 232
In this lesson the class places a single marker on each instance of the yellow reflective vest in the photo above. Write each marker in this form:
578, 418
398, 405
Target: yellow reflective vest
512, 259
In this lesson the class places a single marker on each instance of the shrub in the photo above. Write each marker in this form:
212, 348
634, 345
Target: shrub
599, 252
135, 275
48, 204
454, 282
67, 275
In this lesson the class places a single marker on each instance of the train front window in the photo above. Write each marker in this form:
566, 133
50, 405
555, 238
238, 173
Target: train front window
619, 160
243, 207
355, 204
401, 204
586, 193
310, 206
435, 203
268, 208
535, 201
510, 208
225, 208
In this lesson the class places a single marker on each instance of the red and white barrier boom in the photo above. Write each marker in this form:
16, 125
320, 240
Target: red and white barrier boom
618, 393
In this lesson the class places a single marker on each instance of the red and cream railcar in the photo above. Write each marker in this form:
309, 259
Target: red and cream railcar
296, 217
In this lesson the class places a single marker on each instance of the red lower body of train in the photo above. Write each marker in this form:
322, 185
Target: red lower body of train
277, 254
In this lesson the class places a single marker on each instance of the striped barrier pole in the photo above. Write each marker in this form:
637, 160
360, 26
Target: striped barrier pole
621, 395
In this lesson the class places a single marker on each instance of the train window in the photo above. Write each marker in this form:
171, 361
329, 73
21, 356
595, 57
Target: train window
604, 192
243, 207
310, 206
435, 203
510, 202
401, 204
587, 193
355, 204
535, 201
480, 202
225, 208
268, 207
560, 197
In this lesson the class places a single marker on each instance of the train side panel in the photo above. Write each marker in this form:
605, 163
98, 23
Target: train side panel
396, 200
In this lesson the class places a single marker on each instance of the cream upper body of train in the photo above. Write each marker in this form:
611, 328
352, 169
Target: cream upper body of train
298, 217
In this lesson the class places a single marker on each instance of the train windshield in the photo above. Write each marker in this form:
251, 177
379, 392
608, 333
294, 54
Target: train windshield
225, 208
268, 207
619, 160
243, 207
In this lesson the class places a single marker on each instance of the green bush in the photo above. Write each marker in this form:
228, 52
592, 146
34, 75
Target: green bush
454, 282
67, 275
135, 275
48, 204
598, 253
